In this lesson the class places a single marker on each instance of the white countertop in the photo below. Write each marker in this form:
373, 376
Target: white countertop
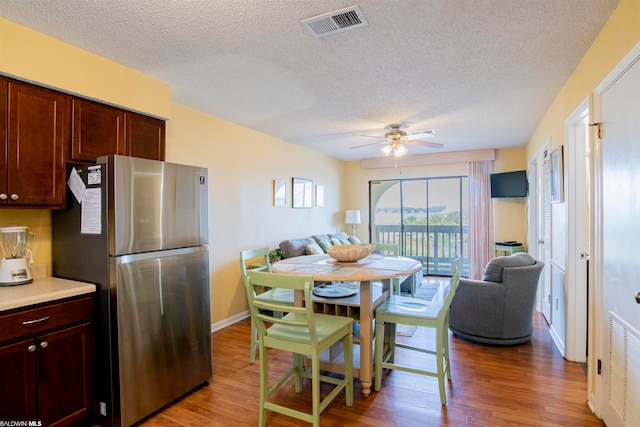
44, 289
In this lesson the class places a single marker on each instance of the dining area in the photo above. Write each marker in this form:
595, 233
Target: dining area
337, 314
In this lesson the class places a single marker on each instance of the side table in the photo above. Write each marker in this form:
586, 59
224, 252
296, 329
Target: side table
507, 249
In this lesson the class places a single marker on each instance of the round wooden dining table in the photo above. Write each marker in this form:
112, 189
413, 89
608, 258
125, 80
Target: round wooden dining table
361, 306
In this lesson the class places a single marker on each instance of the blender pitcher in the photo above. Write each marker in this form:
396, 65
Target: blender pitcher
15, 246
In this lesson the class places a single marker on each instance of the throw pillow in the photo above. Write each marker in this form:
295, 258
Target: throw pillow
354, 240
345, 241
320, 237
325, 245
314, 249
493, 271
340, 236
335, 242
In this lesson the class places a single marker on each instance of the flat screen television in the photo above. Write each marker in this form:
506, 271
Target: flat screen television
509, 184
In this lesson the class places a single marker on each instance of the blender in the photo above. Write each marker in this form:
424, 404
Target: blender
15, 246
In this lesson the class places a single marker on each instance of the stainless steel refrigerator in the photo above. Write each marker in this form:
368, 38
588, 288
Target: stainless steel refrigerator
138, 229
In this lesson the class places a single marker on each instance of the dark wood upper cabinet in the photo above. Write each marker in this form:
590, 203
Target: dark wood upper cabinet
145, 136
36, 128
98, 130
41, 130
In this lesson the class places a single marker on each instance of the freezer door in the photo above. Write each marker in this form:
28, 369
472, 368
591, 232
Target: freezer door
164, 329
156, 205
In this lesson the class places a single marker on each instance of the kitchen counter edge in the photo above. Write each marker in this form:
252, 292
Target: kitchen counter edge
42, 290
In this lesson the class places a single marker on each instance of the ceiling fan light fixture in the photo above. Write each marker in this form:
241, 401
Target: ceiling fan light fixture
400, 150
387, 149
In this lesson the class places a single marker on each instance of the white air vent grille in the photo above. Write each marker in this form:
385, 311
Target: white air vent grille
335, 22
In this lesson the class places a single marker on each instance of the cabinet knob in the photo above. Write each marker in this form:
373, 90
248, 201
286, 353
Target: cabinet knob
14, 196
31, 348
44, 344
3, 196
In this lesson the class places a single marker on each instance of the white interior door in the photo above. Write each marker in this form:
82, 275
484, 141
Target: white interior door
619, 203
577, 160
544, 232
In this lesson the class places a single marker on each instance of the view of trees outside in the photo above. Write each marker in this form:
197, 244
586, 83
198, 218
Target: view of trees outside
426, 218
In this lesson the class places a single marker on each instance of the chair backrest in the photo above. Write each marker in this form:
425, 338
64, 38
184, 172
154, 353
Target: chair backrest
251, 254
443, 314
387, 248
262, 310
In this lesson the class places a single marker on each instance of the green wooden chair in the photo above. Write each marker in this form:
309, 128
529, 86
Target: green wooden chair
301, 332
258, 260
392, 249
408, 311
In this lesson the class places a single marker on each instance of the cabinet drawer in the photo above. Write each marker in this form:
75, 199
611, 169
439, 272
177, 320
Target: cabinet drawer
35, 320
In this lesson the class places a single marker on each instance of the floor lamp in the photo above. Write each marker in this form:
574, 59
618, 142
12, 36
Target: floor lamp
353, 218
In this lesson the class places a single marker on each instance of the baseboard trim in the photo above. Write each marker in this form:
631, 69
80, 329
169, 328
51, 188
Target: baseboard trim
229, 321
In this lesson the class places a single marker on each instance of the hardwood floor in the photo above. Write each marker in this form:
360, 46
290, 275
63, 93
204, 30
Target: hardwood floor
526, 385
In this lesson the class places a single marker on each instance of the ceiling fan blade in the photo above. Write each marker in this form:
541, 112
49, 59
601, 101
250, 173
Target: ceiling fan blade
425, 143
366, 145
423, 134
371, 136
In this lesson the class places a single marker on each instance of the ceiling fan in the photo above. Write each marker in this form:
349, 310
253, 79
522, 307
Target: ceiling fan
395, 137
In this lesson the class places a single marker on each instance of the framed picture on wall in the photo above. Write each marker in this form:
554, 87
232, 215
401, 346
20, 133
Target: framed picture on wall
557, 175
279, 192
320, 195
302, 192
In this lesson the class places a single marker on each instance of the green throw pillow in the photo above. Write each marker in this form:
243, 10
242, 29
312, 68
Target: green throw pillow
354, 240
335, 242
325, 245
345, 241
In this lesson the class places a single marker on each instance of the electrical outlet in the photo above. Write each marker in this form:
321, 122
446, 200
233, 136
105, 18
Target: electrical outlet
103, 409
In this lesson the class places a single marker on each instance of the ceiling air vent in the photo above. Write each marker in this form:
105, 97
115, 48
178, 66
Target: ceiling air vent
335, 22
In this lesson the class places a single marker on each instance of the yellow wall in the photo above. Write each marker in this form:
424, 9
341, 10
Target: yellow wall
242, 166
509, 215
32, 56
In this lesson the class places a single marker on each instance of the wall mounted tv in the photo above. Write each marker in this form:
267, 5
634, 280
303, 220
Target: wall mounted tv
509, 184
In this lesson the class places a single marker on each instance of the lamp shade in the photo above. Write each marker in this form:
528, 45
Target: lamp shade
352, 217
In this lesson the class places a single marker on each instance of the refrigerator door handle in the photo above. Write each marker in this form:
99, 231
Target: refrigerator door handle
125, 259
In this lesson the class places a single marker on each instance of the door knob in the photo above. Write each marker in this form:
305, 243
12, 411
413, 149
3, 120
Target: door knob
638, 297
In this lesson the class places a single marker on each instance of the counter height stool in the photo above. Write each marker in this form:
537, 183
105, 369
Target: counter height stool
283, 296
303, 333
414, 312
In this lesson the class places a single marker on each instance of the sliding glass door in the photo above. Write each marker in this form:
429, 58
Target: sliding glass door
427, 219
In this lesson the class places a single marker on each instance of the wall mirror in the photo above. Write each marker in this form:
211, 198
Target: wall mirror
302, 192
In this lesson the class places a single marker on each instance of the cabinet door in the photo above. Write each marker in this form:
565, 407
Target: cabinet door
38, 123
145, 136
18, 381
98, 130
65, 375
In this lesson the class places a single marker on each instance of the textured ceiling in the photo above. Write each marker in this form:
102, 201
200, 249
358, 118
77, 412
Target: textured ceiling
480, 72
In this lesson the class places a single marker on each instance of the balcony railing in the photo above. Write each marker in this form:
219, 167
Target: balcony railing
436, 246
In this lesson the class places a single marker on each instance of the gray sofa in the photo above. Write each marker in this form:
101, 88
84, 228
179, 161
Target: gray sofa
499, 308
305, 246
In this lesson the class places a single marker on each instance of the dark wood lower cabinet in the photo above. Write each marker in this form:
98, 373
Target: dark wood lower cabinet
48, 376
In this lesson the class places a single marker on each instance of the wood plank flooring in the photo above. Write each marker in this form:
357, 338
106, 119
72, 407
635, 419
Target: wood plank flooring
525, 385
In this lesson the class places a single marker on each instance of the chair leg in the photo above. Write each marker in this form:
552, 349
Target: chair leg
348, 367
440, 367
298, 363
315, 389
264, 385
377, 362
254, 342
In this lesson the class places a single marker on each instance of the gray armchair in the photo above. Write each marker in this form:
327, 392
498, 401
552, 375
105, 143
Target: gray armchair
499, 308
